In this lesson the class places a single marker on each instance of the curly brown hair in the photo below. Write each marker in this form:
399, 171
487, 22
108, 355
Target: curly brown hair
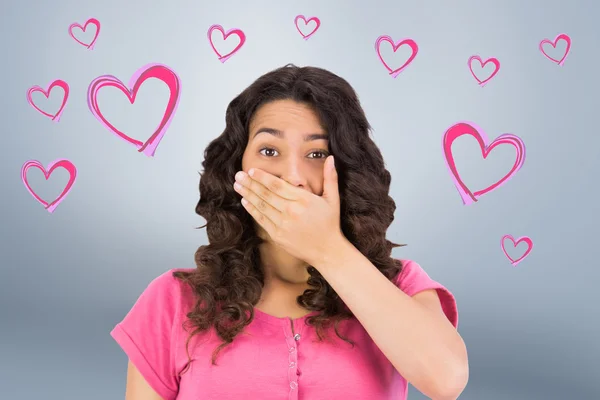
228, 279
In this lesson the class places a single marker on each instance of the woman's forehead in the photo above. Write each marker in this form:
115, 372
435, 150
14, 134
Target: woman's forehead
286, 117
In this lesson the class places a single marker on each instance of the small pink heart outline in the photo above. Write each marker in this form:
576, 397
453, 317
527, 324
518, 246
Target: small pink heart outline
562, 36
92, 21
492, 60
525, 239
57, 83
411, 43
302, 17
467, 128
233, 31
158, 71
61, 163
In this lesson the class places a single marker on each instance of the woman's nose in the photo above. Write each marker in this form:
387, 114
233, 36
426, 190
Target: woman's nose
292, 172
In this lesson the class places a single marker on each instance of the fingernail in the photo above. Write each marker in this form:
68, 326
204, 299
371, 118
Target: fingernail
240, 176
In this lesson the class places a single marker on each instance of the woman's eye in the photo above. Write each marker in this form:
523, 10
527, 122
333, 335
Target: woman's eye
319, 154
268, 152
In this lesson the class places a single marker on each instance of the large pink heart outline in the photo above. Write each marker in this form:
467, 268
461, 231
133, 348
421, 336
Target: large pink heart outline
466, 128
562, 36
57, 83
301, 17
413, 45
483, 64
515, 244
92, 21
233, 31
158, 71
61, 163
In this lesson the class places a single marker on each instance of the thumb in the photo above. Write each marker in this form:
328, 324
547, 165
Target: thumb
330, 181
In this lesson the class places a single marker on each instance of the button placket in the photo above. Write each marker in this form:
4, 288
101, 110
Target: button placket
297, 337
291, 341
292, 362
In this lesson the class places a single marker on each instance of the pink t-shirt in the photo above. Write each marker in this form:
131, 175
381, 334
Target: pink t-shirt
273, 359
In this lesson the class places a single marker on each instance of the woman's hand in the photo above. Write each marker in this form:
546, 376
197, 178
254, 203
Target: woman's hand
306, 225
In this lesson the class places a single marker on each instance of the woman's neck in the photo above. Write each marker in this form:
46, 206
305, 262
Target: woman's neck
285, 279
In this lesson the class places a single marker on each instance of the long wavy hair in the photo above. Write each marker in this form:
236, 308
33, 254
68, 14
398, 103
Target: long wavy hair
229, 279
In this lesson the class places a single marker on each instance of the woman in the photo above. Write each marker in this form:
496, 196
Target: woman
296, 295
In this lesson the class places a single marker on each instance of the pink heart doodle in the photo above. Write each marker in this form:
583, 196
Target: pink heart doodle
92, 21
66, 164
301, 17
562, 36
396, 46
234, 31
483, 64
60, 83
465, 128
515, 244
158, 71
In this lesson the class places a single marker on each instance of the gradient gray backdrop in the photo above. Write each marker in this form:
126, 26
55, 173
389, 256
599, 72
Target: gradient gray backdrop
67, 278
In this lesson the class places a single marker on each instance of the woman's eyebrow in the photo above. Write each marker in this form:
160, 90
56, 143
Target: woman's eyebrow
280, 134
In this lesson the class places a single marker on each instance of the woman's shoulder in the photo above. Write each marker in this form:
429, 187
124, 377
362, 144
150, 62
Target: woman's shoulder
167, 293
409, 269
412, 278
168, 281
151, 331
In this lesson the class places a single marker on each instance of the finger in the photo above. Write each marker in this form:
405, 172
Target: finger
274, 184
259, 203
261, 191
259, 217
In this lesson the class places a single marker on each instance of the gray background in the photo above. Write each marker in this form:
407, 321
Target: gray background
67, 278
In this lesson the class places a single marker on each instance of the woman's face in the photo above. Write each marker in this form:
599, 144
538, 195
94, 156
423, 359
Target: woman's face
287, 140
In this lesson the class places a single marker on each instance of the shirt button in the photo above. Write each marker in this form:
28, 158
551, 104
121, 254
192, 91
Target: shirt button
291, 349
297, 336
292, 364
293, 385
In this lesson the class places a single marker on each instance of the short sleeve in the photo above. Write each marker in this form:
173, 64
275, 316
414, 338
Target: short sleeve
147, 334
413, 279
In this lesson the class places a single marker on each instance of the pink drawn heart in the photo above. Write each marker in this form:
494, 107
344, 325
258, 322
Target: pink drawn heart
157, 71
234, 31
92, 21
466, 128
562, 36
60, 83
306, 22
483, 64
515, 244
415, 49
62, 163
